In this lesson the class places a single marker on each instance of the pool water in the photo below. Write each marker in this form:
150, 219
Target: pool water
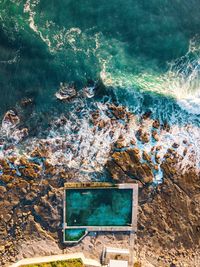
99, 207
74, 234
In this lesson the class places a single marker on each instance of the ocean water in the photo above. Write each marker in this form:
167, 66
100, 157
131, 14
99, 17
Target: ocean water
146, 55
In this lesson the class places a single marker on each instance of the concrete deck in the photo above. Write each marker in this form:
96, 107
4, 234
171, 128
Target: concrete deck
102, 228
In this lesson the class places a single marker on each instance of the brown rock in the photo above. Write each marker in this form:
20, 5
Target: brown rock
175, 145
23, 161
156, 124
116, 172
146, 156
147, 115
101, 124
6, 178
4, 164
39, 153
166, 126
185, 151
120, 142
133, 142
31, 196
155, 135
49, 169
119, 112
144, 137
10, 119
157, 158
158, 148
147, 176
128, 163
29, 172
156, 167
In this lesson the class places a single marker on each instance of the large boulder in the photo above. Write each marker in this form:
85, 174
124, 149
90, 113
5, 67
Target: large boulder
128, 164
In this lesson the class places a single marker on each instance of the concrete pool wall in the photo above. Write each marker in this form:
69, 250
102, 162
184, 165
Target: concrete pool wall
84, 193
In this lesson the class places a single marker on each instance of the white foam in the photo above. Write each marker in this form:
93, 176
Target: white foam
28, 8
190, 104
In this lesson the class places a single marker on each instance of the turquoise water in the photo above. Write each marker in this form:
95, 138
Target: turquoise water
99, 207
73, 234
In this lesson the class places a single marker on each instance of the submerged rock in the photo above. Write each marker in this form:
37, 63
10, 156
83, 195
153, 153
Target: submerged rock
18, 135
10, 120
66, 92
26, 102
89, 92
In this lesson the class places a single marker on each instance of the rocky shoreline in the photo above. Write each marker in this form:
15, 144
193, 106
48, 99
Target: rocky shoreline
31, 183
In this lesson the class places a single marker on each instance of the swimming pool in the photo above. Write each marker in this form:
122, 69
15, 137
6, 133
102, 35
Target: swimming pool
98, 207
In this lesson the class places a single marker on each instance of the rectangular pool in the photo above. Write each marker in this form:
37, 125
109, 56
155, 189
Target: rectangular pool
98, 207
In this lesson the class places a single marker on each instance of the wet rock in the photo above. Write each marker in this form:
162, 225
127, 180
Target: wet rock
175, 145
18, 135
31, 196
2, 249
23, 161
146, 156
185, 151
156, 124
127, 163
89, 92
12, 159
147, 115
66, 92
133, 142
2, 191
119, 112
146, 173
10, 120
31, 170
101, 124
120, 142
9, 171
156, 167
49, 168
6, 178
95, 115
155, 135
117, 174
4, 164
39, 152
144, 137
157, 158
166, 126
158, 148
26, 102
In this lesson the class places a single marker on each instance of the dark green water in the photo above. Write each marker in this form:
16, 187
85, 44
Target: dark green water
44, 42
